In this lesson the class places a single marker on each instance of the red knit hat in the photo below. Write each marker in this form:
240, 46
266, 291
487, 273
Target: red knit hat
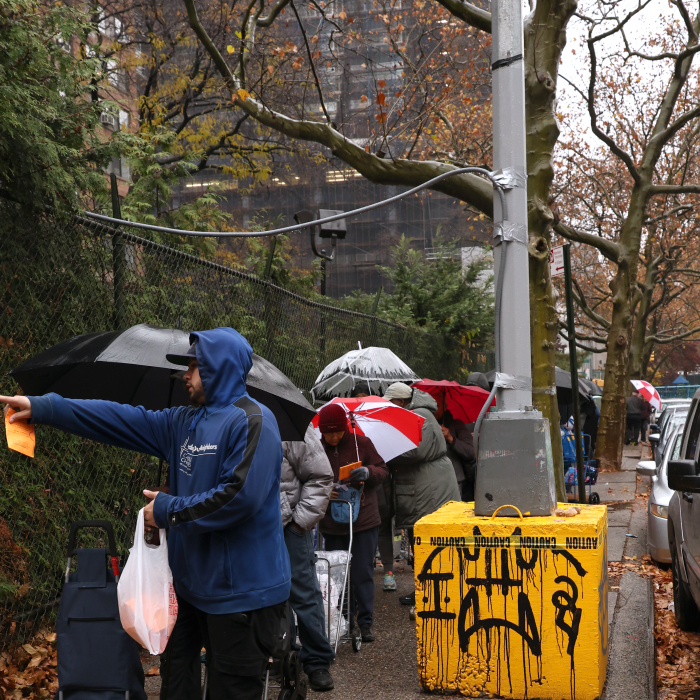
332, 419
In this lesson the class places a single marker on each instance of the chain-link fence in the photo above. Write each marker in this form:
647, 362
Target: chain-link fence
60, 278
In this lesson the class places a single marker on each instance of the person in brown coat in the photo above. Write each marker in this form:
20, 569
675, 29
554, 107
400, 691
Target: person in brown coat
342, 448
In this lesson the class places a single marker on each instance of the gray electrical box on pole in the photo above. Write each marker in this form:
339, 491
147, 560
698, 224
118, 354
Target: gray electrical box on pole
515, 453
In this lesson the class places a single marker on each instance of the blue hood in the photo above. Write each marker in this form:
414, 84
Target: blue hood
224, 357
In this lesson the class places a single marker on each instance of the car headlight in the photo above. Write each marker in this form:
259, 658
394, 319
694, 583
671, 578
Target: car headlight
659, 511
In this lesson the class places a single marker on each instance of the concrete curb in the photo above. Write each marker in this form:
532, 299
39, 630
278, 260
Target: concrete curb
652, 642
631, 659
632, 653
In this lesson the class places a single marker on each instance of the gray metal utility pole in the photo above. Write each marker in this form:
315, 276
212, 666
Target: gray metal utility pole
509, 157
514, 464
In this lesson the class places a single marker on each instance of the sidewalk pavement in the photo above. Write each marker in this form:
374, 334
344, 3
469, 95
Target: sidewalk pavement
387, 670
631, 660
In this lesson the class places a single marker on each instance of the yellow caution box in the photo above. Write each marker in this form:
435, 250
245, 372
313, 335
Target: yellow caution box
510, 606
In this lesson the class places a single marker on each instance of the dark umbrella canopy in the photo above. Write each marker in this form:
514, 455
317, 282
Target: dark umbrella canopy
130, 367
562, 379
593, 388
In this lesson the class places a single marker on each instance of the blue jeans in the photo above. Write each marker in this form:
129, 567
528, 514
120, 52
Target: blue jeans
307, 602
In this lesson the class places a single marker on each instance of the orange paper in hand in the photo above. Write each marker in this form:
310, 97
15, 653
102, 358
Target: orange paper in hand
20, 435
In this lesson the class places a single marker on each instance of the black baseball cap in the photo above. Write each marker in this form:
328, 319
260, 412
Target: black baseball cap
185, 359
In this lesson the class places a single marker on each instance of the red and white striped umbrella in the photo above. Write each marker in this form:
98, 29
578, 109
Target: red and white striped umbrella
393, 430
648, 392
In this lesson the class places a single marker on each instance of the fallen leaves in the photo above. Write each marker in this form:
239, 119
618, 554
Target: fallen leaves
28, 672
153, 671
677, 652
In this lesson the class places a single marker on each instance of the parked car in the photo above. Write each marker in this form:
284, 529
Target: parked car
659, 497
673, 417
658, 416
684, 523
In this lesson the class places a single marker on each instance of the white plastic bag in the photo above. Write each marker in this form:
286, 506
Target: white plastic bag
336, 561
147, 601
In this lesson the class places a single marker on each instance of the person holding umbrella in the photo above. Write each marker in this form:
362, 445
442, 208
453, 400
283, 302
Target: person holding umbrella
342, 448
385, 540
424, 478
225, 542
460, 447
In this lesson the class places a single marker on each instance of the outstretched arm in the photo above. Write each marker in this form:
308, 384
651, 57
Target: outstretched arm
133, 428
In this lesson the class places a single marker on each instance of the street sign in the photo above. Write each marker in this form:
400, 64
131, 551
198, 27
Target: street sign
556, 261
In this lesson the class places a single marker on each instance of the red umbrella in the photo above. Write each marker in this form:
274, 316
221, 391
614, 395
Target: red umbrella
463, 402
392, 429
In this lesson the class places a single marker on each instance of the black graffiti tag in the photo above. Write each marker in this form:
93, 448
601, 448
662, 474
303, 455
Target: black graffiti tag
425, 577
526, 626
565, 603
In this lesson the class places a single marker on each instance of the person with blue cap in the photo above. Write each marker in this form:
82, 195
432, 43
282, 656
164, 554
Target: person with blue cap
225, 539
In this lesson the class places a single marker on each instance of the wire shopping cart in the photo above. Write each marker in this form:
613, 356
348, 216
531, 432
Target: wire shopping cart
333, 571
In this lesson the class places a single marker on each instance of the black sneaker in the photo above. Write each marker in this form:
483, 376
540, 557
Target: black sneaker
367, 634
321, 680
409, 599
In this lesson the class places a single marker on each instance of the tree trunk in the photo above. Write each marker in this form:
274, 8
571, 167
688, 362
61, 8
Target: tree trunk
638, 342
613, 412
545, 38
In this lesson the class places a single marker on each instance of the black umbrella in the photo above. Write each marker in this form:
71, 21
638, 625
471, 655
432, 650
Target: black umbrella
593, 388
129, 367
562, 379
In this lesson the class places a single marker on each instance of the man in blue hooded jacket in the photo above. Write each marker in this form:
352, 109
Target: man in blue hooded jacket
225, 541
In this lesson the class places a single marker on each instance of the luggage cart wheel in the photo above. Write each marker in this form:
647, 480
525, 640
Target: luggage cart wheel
356, 639
594, 499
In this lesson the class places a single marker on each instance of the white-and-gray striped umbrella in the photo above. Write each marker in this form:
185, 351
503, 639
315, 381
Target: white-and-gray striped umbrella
379, 367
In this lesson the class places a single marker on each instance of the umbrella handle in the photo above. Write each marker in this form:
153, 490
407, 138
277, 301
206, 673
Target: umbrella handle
352, 425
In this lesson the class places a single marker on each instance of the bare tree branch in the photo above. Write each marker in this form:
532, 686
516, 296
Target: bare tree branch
471, 14
674, 189
317, 82
469, 188
609, 249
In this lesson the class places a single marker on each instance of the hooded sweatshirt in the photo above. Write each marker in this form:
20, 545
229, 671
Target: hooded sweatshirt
225, 541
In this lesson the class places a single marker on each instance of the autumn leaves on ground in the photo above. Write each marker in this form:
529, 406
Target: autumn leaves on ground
677, 652
29, 671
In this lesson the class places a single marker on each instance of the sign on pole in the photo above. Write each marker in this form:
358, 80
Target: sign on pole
556, 261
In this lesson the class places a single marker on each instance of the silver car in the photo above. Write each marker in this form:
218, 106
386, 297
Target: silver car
672, 418
683, 476
659, 498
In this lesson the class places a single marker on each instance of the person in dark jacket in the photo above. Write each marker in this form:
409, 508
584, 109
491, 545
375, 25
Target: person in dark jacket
646, 415
386, 512
460, 447
343, 448
225, 540
590, 414
635, 407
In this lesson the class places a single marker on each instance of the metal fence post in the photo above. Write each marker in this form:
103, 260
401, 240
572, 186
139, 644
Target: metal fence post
573, 366
118, 260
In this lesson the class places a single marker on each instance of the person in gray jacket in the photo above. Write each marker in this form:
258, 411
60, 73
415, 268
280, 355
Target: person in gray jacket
305, 489
424, 478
